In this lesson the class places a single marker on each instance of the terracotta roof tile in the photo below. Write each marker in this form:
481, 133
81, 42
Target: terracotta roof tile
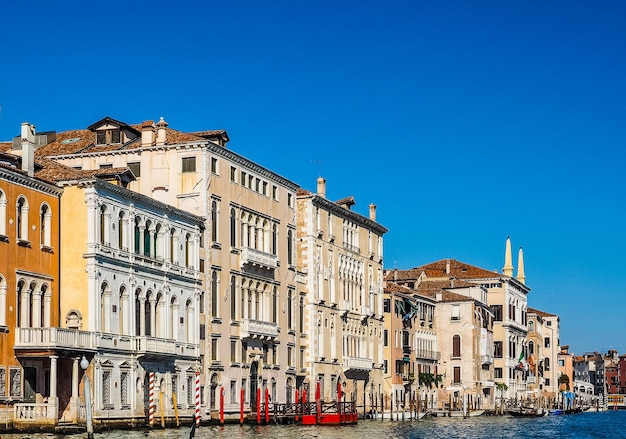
458, 269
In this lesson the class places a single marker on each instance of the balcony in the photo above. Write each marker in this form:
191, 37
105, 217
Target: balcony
358, 363
258, 329
486, 359
75, 340
257, 257
531, 379
426, 354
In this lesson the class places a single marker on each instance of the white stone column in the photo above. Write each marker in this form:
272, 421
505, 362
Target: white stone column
53, 400
36, 311
25, 309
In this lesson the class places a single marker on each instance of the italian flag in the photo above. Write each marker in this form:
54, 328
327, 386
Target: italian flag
522, 361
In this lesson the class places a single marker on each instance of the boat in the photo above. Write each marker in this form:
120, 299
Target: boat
557, 412
527, 413
457, 413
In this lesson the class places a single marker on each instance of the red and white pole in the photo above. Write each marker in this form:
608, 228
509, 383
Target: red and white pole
197, 397
151, 401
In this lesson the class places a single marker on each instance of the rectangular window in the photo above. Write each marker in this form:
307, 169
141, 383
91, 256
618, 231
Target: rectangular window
386, 337
191, 386
497, 313
290, 200
546, 342
189, 164
15, 377
387, 305
457, 375
233, 391
289, 356
202, 332
135, 167
233, 351
456, 312
497, 349
106, 165
214, 165
233, 174
386, 367
3, 382
497, 372
547, 382
106, 388
265, 188
274, 193
124, 388
214, 349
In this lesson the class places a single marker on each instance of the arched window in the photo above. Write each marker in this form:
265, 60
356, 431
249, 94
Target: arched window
531, 326
233, 228
172, 246
45, 224
105, 306
301, 315
121, 235
274, 238
456, 346
3, 214
233, 298
289, 390
22, 219
157, 243
214, 221
122, 311
146, 239
274, 306
103, 225
531, 347
214, 294
289, 247
189, 322
188, 252
137, 235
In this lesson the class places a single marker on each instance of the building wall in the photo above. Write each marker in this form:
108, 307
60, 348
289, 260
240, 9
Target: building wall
28, 269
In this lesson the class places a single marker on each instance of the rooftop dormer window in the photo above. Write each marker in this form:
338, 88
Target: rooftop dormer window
108, 137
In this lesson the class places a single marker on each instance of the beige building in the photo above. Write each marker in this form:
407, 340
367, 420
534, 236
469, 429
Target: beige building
543, 354
507, 298
247, 304
340, 255
410, 349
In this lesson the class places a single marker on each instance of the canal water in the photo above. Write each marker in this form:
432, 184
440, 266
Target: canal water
611, 424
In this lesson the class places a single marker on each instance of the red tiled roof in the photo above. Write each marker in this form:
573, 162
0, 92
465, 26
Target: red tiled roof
438, 269
540, 313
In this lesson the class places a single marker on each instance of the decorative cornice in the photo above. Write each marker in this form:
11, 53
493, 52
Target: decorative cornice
17, 177
347, 213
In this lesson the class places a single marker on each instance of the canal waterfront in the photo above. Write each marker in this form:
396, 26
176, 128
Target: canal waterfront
611, 424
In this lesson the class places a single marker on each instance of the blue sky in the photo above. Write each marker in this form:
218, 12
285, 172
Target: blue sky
464, 122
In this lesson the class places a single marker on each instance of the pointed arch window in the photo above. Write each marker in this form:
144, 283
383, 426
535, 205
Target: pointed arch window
214, 221
121, 235
188, 251
172, 246
233, 228
147, 242
289, 247
137, 235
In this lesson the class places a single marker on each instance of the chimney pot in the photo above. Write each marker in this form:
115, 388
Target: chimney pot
321, 187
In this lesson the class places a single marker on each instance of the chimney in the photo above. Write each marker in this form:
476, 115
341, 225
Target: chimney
448, 266
321, 187
147, 133
161, 132
28, 148
373, 212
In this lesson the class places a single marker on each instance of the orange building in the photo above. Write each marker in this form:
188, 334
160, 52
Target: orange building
29, 273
